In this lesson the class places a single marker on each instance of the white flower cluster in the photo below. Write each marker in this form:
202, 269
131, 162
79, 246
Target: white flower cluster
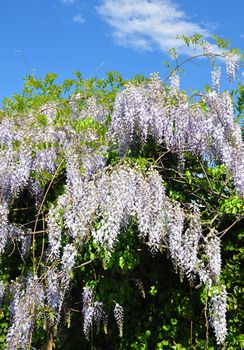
33, 146
143, 110
54, 230
208, 49
113, 199
56, 288
102, 207
90, 109
174, 84
231, 58
216, 75
93, 311
218, 313
2, 290
121, 194
119, 317
105, 205
3, 224
213, 253
232, 65
53, 290
27, 302
184, 246
125, 193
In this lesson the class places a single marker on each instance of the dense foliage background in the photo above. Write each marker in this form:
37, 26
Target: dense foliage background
157, 306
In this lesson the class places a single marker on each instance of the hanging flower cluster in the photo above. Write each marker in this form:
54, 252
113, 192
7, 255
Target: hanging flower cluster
150, 110
218, 313
114, 198
27, 302
93, 312
99, 202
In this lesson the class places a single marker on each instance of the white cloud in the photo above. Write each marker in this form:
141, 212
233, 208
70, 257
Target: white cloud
78, 19
242, 36
148, 24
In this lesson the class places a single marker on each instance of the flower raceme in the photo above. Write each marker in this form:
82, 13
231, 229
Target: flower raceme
120, 195
147, 110
99, 201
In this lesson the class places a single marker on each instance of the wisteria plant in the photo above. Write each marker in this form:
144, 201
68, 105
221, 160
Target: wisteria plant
96, 175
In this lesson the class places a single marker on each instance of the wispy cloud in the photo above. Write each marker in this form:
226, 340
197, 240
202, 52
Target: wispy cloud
242, 36
78, 19
68, 2
148, 24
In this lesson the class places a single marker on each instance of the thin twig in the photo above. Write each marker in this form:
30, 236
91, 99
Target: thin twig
189, 60
43, 242
85, 263
206, 321
222, 233
191, 322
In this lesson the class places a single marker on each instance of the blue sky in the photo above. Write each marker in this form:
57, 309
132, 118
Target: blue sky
95, 36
